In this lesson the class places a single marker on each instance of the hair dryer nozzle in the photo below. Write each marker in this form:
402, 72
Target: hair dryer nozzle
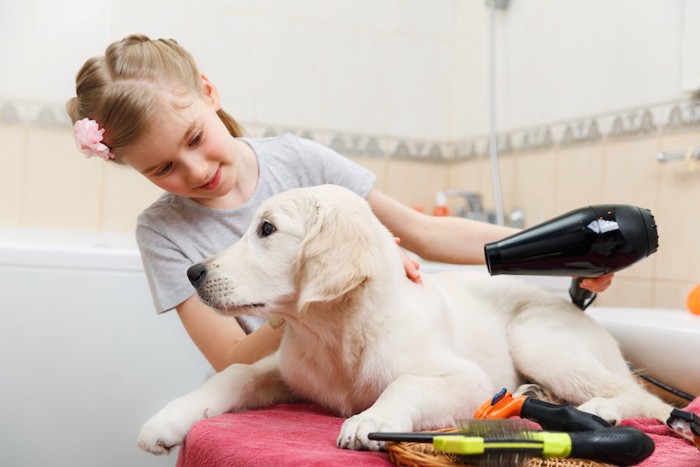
586, 242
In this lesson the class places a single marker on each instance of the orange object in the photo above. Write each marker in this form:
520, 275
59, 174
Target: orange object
440, 207
440, 211
502, 405
693, 301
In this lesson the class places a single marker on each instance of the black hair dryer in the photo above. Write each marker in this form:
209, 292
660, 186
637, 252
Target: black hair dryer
586, 242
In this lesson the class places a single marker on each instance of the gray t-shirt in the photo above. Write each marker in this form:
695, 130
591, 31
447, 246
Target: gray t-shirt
175, 232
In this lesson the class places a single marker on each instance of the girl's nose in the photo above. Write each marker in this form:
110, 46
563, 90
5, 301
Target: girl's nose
196, 167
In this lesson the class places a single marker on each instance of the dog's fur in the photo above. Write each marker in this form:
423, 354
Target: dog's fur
393, 355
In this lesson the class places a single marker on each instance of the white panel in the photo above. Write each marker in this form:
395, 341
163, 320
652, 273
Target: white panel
561, 60
691, 46
360, 64
292, 62
85, 361
422, 87
65, 34
16, 31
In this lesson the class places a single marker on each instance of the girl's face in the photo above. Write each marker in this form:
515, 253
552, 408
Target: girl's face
189, 152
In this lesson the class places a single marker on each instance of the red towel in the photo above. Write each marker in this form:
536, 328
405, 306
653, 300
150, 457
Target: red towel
304, 434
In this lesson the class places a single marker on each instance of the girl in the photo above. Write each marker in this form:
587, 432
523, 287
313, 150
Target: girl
145, 104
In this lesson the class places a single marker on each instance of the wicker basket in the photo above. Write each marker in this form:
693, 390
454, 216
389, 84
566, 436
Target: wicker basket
422, 455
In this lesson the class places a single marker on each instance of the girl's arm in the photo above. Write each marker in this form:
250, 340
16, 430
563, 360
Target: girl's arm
221, 339
446, 238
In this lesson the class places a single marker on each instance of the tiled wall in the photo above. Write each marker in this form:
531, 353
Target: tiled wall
614, 164
546, 171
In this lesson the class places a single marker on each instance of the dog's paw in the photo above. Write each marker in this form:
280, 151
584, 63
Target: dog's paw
604, 408
168, 428
355, 430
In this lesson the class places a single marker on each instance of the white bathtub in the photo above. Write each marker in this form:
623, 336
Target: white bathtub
664, 342
84, 359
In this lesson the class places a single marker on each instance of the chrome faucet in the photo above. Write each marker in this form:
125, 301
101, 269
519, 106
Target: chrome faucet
472, 201
473, 208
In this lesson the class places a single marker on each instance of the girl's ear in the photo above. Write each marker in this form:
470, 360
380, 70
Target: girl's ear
211, 93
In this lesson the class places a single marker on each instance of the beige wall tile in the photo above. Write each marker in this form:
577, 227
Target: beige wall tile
415, 183
378, 166
507, 168
678, 218
126, 194
467, 176
632, 173
670, 294
580, 177
630, 292
485, 181
535, 186
61, 189
11, 169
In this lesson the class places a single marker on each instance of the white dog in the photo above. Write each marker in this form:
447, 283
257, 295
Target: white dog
363, 340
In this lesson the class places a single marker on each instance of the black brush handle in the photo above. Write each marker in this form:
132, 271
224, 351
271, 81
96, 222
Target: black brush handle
405, 437
616, 445
560, 417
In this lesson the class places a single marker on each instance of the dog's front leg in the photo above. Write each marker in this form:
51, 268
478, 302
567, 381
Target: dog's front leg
235, 388
416, 403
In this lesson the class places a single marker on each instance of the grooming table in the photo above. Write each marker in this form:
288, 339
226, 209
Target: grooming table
304, 434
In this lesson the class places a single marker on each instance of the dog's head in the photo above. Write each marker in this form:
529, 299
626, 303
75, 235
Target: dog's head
305, 245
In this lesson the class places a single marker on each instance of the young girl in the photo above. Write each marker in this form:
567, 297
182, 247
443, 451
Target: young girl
145, 104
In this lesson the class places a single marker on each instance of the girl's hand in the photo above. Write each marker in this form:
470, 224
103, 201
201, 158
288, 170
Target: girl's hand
410, 266
597, 284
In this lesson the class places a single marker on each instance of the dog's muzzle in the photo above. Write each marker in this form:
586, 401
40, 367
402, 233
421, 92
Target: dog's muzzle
196, 274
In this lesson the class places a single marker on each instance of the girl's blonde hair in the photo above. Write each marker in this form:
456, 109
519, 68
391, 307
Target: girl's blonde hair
124, 89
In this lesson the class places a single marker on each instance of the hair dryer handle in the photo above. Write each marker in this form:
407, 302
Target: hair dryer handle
579, 296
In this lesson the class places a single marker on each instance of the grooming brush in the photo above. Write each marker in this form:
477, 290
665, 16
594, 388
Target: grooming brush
685, 423
563, 417
504, 442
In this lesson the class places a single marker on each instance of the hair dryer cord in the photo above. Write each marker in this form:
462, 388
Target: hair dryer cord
664, 386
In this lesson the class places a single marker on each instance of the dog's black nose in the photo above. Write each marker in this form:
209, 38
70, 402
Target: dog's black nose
196, 274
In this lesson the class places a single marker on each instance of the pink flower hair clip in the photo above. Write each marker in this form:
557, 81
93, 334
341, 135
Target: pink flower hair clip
88, 137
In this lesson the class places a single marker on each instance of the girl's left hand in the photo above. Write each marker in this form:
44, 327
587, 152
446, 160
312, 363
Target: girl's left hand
597, 284
410, 266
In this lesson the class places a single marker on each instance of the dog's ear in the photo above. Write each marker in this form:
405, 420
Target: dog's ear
336, 255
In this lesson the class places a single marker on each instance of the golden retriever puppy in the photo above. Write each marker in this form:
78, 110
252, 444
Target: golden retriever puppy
392, 355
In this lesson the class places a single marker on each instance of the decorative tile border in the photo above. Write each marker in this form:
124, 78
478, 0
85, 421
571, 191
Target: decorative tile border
642, 121
363, 145
34, 114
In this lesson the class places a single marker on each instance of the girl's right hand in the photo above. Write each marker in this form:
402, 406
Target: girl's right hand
410, 266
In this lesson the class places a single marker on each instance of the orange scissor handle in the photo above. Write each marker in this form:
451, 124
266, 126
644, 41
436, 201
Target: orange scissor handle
502, 405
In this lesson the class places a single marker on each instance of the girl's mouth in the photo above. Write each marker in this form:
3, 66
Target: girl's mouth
214, 182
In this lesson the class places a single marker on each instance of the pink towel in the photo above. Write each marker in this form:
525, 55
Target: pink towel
285, 434
304, 434
671, 450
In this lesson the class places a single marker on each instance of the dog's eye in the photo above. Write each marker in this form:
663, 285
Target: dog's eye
266, 229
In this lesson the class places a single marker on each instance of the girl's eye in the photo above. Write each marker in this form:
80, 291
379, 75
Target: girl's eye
196, 139
266, 229
164, 169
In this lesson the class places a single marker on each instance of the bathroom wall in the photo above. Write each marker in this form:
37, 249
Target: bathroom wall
614, 163
402, 87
